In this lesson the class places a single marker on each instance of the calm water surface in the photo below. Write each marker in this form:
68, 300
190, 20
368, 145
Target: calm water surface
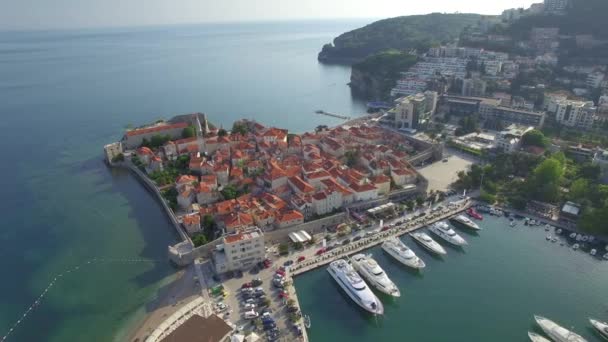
64, 94
487, 291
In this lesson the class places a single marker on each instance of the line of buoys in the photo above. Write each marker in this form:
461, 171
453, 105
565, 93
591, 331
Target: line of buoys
38, 300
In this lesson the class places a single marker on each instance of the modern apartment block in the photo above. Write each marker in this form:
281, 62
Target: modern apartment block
240, 250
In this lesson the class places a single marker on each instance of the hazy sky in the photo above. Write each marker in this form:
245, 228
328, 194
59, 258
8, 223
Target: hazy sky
40, 14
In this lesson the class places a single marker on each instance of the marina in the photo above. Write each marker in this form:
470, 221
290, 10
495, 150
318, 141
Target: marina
333, 115
478, 277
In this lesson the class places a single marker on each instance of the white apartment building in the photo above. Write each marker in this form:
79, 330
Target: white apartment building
240, 250
555, 6
601, 158
446, 66
595, 79
492, 67
509, 140
575, 113
408, 86
473, 87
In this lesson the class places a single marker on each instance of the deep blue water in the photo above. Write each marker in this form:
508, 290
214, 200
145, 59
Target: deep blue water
64, 94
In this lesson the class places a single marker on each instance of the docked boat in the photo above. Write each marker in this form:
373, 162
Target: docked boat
593, 251
402, 253
465, 221
428, 243
601, 327
444, 231
350, 281
474, 214
557, 332
536, 337
369, 269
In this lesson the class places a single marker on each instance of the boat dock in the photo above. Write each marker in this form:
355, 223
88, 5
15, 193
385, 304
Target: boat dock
333, 115
376, 239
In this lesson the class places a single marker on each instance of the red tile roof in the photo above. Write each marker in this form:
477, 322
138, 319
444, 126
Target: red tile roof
301, 184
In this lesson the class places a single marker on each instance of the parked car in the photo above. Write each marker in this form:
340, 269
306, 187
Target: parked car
250, 314
356, 238
270, 326
301, 258
250, 306
346, 242
246, 285
257, 282
321, 251
288, 263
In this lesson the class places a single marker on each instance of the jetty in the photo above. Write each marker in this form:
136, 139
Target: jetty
333, 115
376, 239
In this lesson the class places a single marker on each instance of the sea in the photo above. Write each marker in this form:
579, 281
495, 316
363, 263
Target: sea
64, 94
488, 290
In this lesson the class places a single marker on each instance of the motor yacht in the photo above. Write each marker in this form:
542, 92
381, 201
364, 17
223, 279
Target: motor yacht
556, 332
354, 286
402, 253
427, 242
465, 221
369, 269
444, 231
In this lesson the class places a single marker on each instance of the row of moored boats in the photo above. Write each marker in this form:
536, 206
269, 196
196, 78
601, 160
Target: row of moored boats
349, 275
558, 333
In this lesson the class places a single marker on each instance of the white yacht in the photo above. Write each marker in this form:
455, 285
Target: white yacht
536, 337
557, 332
402, 253
465, 221
369, 269
428, 243
444, 231
350, 281
601, 327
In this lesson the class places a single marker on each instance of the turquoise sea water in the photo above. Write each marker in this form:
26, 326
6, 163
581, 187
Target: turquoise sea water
64, 94
487, 291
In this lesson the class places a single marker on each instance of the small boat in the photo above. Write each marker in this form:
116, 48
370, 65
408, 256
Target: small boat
548, 237
575, 246
350, 281
573, 235
591, 238
369, 269
536, 337
532, 222
474, 214
585, 238
527, 221
605, 256
593, 251
444, 231
307, 321
579, 237
557, 332
465, 221
428, 243
513, 224
558, 231
554, 239
402, 253
601, 327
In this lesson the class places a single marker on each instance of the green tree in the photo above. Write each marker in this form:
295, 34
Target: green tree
419, 201
222, 132
239, 128
351, 157
410, 205
188, 132
209, 226
534, 138
546, 179
589, 171
579, 189
283, 249
118, 158
199, 240
229, 192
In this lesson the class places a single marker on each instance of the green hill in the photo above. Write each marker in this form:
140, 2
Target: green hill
401, 33
374, 77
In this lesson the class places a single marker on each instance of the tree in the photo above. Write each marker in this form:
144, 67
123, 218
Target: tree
222, 132
419, 201
534, 138
579, 189
188, 132
118, 158
546, 179
229, 192
351, 157
239, 128
589, 171
283, 249
199, 240
209, 226
410, 205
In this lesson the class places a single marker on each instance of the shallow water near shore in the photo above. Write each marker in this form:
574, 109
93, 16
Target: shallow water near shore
64, 94
486, 291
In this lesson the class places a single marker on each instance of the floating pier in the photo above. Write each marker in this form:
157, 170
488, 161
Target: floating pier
333, 115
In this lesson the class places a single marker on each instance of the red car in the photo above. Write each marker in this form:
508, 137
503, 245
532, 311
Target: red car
246, 285
385, 228
281, 272
301, 258
321, 251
